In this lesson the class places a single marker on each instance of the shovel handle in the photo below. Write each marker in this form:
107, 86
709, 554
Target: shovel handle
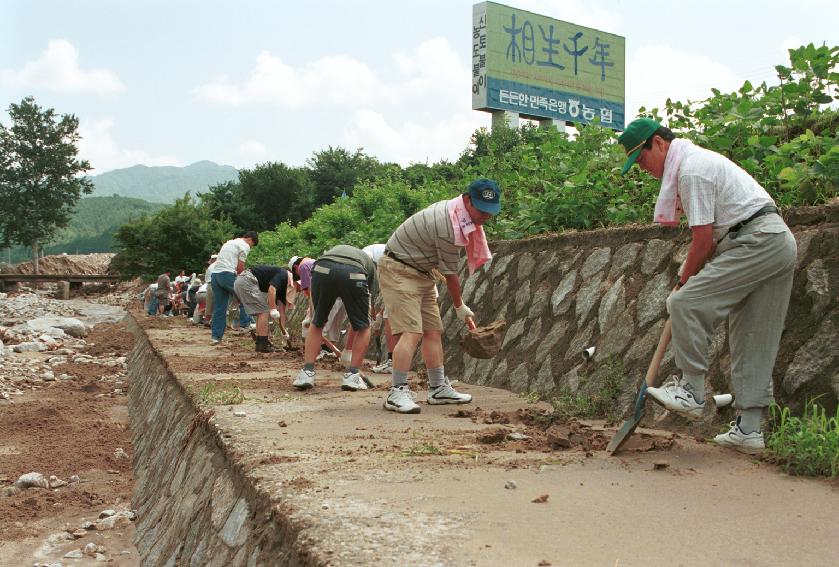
663, 342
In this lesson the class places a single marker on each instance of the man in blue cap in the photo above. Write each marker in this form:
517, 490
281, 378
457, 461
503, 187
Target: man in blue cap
432, 239
739, 265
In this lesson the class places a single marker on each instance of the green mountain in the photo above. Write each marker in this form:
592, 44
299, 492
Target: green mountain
92, 227
162, 184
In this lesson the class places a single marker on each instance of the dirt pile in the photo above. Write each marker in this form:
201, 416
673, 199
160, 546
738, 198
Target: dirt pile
76, 264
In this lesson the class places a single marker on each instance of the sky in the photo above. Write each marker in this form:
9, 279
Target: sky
172, 82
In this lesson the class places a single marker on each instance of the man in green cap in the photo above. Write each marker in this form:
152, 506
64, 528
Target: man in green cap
740, 265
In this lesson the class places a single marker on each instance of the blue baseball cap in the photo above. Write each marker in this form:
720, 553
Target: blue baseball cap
485, 195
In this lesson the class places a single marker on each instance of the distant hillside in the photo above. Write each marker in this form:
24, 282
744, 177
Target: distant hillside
92, 227
162, 184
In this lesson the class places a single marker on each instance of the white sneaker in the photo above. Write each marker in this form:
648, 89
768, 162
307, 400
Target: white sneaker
751, 443
445, 394
385, 367
346, 356
215, 341
353, 381
305, 379
401, 399
675, 397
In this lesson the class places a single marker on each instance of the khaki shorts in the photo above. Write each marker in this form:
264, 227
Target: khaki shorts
410, 298
247, 291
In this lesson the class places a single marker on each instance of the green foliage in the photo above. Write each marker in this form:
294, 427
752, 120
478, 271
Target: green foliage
179, 237
783, 135
335, 171
39, 173
263, 197
600, 404
212, 395
806, 445
371, 215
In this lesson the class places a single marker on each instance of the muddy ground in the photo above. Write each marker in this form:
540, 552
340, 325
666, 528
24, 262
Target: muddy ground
66, 428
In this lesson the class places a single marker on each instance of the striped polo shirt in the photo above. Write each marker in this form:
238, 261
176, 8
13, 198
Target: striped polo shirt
426, 240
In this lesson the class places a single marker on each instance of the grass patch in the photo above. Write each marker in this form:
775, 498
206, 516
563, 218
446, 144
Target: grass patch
806, 445
211, 395
422, 448
600, 404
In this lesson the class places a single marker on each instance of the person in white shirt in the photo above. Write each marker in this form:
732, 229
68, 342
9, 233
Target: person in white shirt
230, 262
740, 266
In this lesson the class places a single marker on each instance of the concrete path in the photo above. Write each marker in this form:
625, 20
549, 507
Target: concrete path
375, 488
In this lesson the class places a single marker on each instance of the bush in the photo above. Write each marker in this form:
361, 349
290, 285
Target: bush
806, 445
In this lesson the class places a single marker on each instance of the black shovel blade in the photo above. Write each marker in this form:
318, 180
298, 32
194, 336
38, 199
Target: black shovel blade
628, 428
624, 433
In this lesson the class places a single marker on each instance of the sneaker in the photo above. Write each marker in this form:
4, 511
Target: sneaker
385, 367
215, 341
445, 394
353, 382
674, 396
305, 379
401, 399
751, 443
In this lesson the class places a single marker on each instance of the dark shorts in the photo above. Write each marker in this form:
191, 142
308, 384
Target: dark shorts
331, 280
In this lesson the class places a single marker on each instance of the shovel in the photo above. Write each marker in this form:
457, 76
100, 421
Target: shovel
651, 380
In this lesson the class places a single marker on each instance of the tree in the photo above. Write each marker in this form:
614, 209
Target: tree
39, 174
279, 193
180, 237
335, 171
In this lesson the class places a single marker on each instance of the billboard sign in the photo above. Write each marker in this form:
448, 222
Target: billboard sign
542, 68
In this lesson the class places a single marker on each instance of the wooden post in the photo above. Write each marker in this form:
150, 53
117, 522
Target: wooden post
64, 290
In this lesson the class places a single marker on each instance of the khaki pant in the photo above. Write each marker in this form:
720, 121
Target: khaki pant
748, 280
208, 304
410, 298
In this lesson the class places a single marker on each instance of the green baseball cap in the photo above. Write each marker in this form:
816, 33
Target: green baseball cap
633, 139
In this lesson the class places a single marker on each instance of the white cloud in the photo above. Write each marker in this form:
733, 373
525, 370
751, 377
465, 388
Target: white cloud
99, 147
657, 72
433, 74
337, 79
411, 142
253, 151
58, 69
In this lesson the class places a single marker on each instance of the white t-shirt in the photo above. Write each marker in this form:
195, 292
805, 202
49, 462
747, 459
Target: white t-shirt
375, 251
233, 252
714, 190
208, 275
202, 288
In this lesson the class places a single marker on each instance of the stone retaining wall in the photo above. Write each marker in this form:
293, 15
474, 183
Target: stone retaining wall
194, 507
606, 288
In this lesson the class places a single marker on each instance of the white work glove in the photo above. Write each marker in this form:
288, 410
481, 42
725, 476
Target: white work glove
463, 312
274, 314
306, 323
287, 335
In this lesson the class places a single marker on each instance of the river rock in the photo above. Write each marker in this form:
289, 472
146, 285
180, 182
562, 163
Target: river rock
32, 480
70, 325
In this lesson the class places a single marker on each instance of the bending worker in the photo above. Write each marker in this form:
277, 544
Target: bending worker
345, 272
739, 265
432, 238
265, 291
